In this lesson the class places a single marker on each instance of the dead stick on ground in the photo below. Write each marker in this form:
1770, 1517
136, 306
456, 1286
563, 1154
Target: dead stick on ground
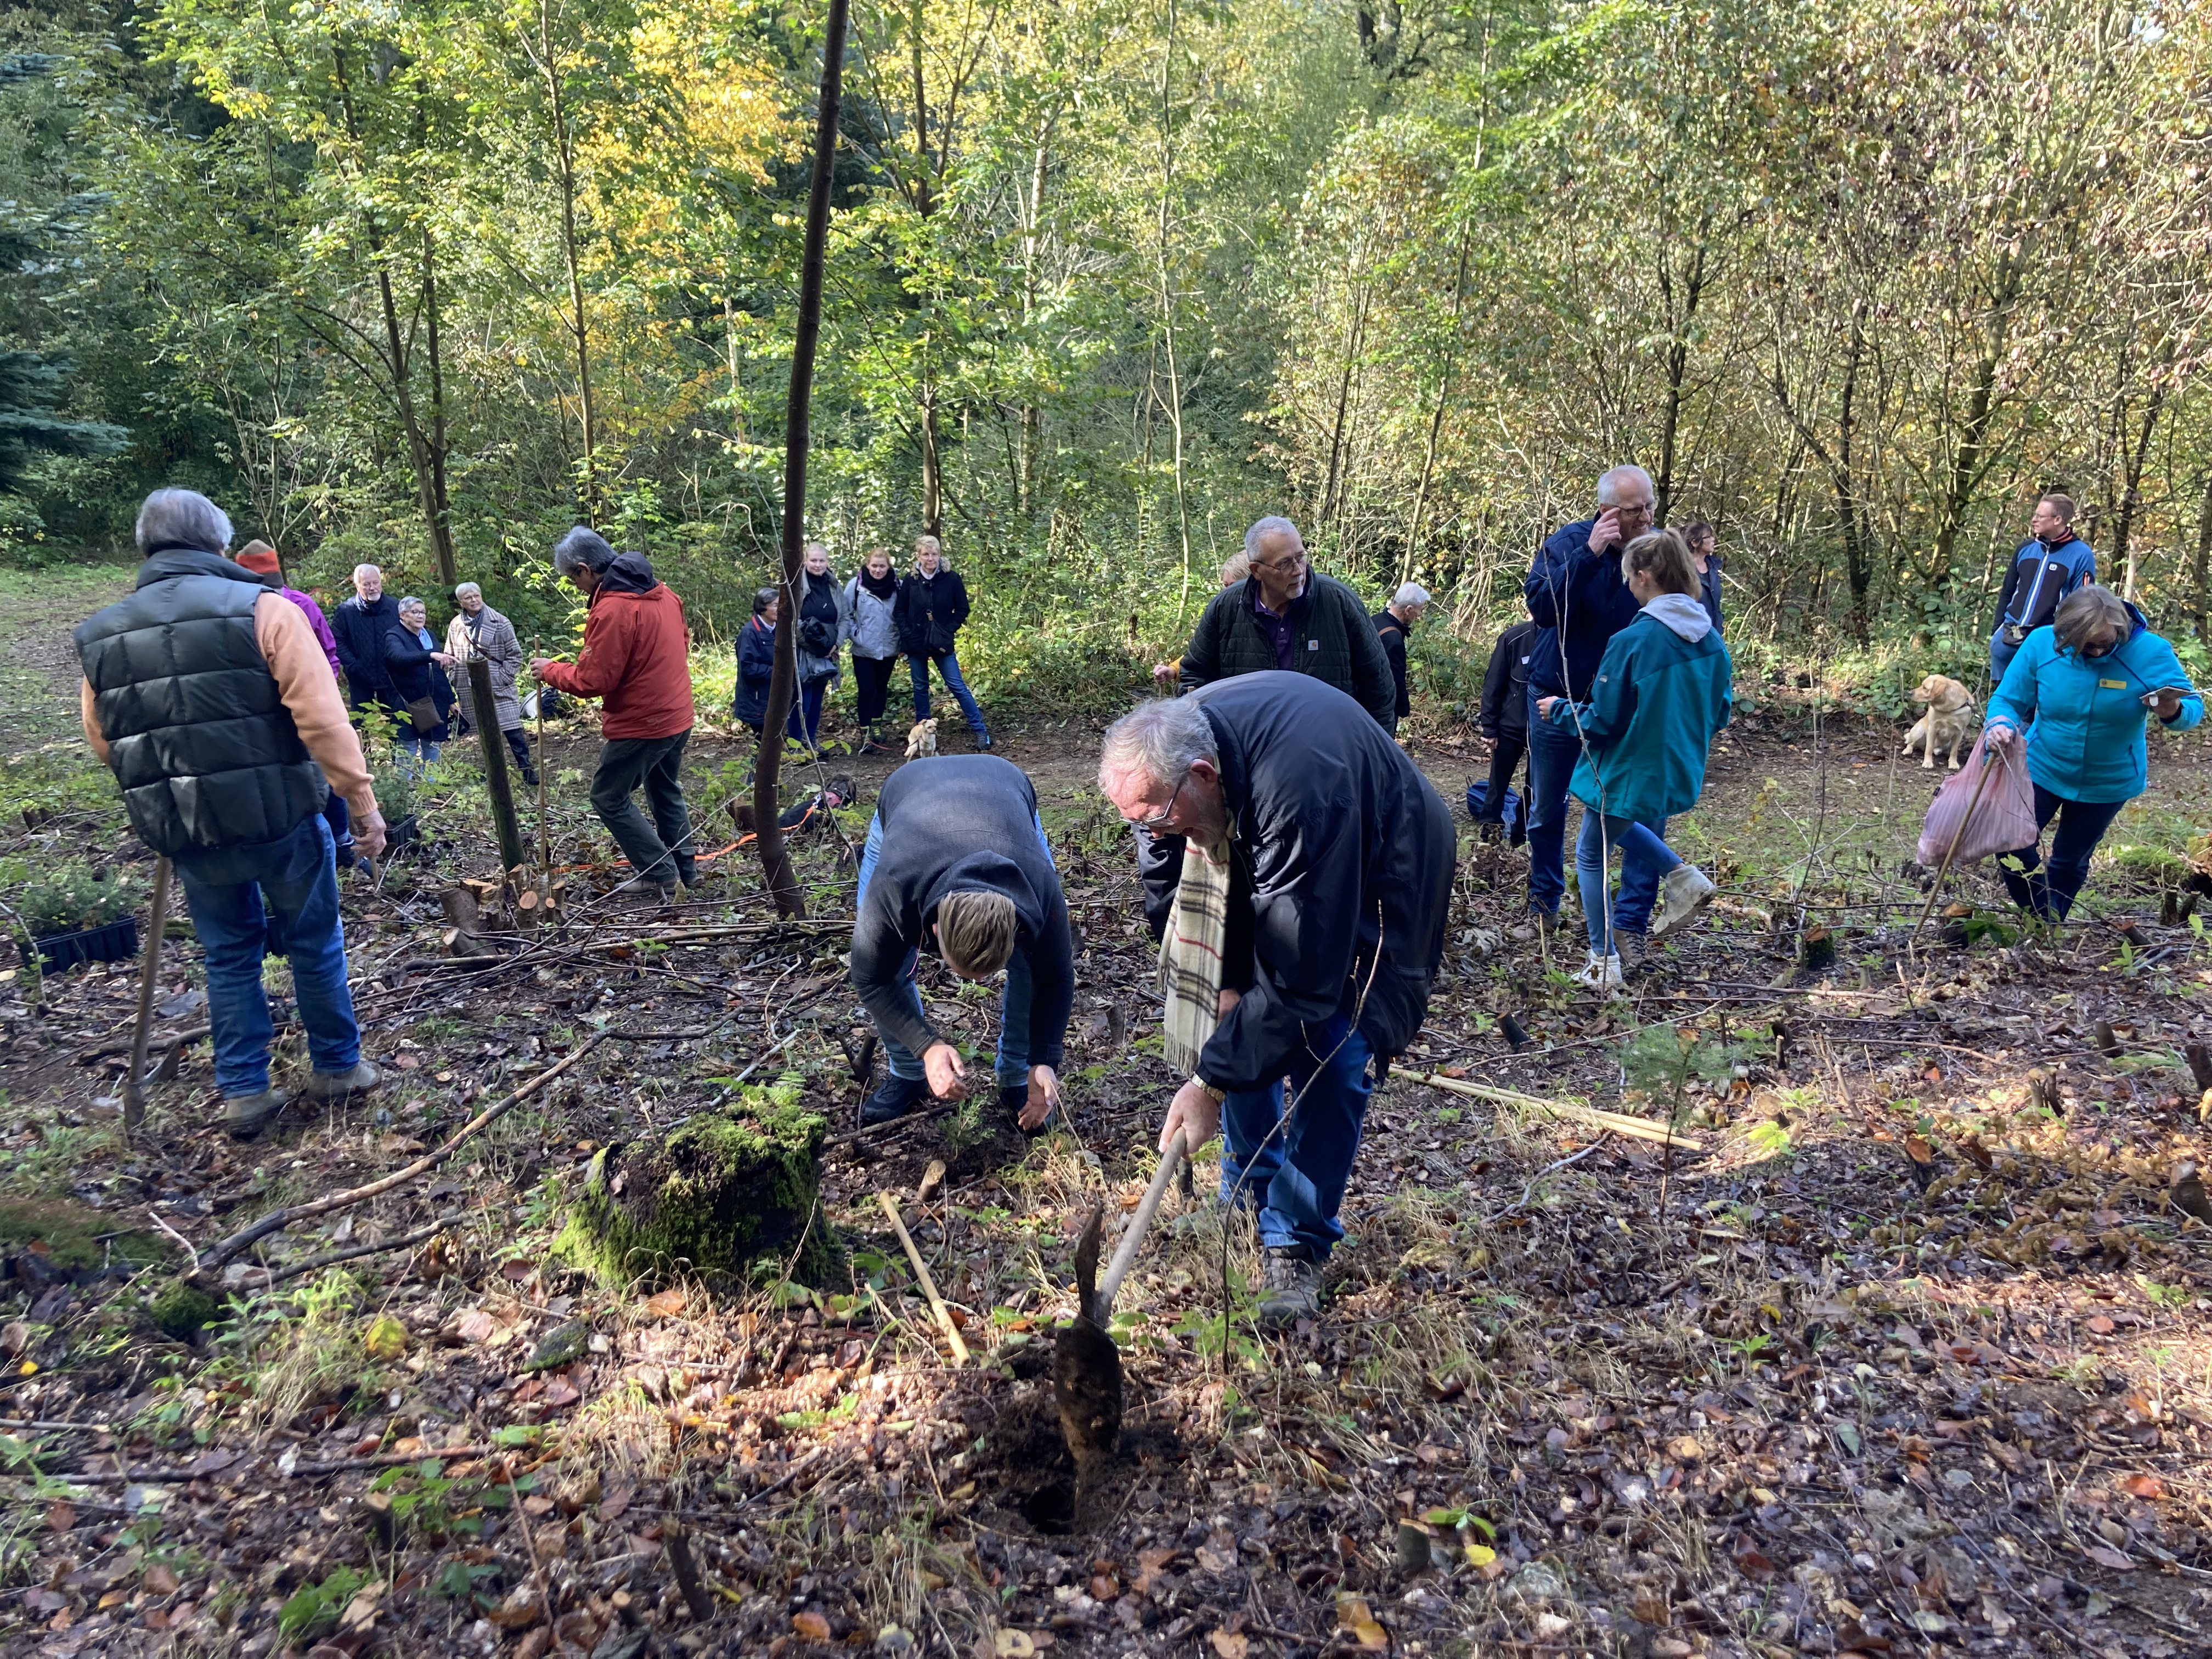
1635, 1129
928, 1285
687, 1570
149, 975
276, 1220
405, 1240
1937, 891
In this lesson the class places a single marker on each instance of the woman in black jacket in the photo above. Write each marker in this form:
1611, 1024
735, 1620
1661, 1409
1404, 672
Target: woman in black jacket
932, 603
418, 682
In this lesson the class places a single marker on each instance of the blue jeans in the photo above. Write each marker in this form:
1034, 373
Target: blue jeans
948, 666
1012, 1064
1645, 859
807, 711
296, 888
2048, 888
1296, 1180
1552, 755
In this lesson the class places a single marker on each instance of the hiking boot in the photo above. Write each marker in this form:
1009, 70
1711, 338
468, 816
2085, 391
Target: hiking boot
1600, 973
1686, 890
897, 1097
983, 740
1291, 1287
1632, 949
530, 777
1013, 1099
336, 1085
245, 1117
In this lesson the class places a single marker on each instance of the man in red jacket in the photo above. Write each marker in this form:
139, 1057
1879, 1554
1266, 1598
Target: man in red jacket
636, 658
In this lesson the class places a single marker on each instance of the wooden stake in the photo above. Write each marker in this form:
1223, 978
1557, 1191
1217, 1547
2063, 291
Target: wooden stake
928, 1285
496, 783
149, 975
545, 829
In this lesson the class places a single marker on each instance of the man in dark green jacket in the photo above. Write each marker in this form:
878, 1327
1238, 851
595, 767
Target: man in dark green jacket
1288, 615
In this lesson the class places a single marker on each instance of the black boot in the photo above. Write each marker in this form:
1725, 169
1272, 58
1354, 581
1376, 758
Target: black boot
897, 1097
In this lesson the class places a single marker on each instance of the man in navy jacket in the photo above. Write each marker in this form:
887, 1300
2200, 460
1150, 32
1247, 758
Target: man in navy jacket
2045, 571
1575, 594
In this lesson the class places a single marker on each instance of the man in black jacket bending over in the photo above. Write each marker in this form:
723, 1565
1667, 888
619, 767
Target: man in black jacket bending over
1298, 870
1286, 615
956, 863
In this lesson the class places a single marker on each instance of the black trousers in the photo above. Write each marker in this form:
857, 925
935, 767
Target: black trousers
872, 677
661, 849
1506, 754
519, 745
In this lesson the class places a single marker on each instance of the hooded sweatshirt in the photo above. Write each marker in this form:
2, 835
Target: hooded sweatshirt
1661, 691
956, 824
636, 654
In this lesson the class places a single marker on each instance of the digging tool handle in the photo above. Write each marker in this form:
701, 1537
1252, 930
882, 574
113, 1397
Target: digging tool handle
928, 1285
1140, 1223
149, 975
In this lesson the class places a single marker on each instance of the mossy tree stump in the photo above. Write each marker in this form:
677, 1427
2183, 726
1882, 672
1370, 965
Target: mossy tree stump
728, 1195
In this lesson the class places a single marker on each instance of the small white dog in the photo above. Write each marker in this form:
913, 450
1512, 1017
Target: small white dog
1950, 722
921, 739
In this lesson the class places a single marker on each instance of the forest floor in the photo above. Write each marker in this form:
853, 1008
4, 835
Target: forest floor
1900, 1348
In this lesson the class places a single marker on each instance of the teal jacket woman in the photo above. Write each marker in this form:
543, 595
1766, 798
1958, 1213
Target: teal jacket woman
2082, 690
1662, 689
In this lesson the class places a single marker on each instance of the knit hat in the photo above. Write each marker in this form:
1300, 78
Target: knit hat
260, 558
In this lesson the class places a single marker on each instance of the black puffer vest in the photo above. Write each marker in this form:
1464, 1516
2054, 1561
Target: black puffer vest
199, 738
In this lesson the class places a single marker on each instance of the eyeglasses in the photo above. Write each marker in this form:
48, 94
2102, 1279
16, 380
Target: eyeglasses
1159, 819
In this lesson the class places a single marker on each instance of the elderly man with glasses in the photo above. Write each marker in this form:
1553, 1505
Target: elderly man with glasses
1288, 615
1297, 869
1579, 601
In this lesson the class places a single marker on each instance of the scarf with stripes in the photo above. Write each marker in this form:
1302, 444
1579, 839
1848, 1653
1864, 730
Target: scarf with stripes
1191, 953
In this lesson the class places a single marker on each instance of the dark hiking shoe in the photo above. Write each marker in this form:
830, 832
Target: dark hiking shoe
897, 1097
245, 1117
983, 740
336, 1085
1290, 1288
1633, 950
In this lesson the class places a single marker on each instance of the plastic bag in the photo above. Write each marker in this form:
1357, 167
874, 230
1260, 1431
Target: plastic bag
2002, 820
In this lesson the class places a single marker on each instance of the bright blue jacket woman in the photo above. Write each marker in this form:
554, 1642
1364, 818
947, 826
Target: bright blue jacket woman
2085, 717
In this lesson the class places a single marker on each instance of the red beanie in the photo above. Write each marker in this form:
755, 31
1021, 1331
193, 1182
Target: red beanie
260, 558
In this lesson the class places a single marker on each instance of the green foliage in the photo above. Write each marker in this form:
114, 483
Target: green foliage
74, 895
314, 1609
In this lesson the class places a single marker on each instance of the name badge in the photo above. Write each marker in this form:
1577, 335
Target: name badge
1313, 645
2113, 685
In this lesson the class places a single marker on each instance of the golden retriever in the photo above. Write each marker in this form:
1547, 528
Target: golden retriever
1950, 723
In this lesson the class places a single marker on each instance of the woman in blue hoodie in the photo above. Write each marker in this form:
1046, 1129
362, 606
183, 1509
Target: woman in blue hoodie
1661, 691
2082, 690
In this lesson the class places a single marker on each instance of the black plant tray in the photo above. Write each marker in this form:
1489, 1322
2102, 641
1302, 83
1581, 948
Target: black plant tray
117, 941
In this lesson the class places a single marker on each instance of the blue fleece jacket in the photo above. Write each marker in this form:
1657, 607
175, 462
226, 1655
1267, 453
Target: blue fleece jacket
1579, 602
1657, 700
2040, 576
2084, 716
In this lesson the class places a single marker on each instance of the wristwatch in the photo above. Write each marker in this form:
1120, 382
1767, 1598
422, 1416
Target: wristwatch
1217, 1096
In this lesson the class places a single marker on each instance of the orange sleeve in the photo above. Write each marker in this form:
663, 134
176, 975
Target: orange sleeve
93, 734
602, 660
305, 682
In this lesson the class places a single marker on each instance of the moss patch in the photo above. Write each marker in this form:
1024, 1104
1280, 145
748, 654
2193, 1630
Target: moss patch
70, 1237
179, 1309
728, 1195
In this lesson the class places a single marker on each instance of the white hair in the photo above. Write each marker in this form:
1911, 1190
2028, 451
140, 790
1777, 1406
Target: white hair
181, 518
1609, 483
1411, 594
1158, 740
1273, 524
468, 587
361, 570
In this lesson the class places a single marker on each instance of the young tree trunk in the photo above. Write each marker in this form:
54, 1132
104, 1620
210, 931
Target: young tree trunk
2132, 464
578, 322
1437, 420
2200, 565
775, 857
1678, 369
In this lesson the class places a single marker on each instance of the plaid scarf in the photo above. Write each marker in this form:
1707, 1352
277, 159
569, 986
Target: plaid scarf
1190, 952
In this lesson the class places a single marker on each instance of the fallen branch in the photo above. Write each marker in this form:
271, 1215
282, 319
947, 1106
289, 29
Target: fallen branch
928, 1285
316, 1263
277, 1220
1635, 1129
121, 1045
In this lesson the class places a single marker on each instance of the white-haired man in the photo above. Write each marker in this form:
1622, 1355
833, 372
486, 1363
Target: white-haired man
1579, 600
1286, 615
1392, 623
1297, 869
358, 627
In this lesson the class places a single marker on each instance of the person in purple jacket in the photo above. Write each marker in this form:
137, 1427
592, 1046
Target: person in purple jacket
261, 559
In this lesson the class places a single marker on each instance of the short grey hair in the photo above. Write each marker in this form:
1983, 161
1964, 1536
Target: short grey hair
182, 518
1273, 524
581, 546
414, 602
361, 570
2090, 609
1159, 740
1609, 483
1411, 594
468, 587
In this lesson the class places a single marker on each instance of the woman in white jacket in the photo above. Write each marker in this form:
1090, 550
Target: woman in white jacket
868, 599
